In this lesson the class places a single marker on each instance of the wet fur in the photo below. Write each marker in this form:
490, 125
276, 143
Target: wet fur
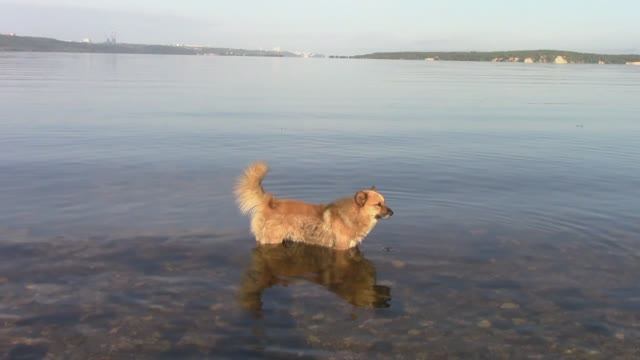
342, 224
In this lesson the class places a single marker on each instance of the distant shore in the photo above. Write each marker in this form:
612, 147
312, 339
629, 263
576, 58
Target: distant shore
12, 42
522, 56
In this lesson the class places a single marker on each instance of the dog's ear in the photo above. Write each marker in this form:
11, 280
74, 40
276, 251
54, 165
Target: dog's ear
360, 198
373, 187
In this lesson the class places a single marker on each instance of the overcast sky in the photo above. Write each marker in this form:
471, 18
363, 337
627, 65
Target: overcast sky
343, 27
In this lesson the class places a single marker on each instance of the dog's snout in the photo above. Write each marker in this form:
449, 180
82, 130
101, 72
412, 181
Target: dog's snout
390, 211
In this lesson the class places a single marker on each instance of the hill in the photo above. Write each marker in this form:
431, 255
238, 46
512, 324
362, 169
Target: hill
529, 56
42, 44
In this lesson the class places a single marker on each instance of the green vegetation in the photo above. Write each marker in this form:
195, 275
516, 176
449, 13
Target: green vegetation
543, 56
40, 44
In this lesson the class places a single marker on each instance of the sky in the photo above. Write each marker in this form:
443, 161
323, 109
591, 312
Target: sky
338, 27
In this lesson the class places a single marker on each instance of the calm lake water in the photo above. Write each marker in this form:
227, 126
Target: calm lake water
515, 188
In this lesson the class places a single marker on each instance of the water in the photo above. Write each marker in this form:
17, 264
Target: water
515, 189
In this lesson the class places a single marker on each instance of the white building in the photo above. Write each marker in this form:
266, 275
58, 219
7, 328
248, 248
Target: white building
560, 60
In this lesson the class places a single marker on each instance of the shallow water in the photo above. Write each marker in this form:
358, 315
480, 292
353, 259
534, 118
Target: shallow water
514, 188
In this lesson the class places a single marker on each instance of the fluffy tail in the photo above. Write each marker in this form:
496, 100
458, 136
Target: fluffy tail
248, 190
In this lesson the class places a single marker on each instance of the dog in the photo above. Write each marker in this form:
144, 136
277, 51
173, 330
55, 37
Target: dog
340, 225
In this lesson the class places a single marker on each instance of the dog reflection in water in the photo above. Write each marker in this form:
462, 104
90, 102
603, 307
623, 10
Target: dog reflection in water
346, 273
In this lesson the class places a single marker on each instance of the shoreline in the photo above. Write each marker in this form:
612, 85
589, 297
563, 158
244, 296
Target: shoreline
16, 43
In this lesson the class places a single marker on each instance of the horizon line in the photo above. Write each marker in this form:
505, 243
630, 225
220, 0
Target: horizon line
361, 54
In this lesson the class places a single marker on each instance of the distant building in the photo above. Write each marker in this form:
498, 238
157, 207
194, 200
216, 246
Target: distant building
86, 40
528, 60
560, 60
111, 40
601, 62
304, 54
637, 63
430, 59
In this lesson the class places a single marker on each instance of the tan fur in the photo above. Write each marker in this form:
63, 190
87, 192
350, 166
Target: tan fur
342, 224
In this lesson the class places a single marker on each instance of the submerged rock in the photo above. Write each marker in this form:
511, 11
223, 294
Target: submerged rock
313, 339
509, 306
381, 347
22, 351
484, 323
216, 307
